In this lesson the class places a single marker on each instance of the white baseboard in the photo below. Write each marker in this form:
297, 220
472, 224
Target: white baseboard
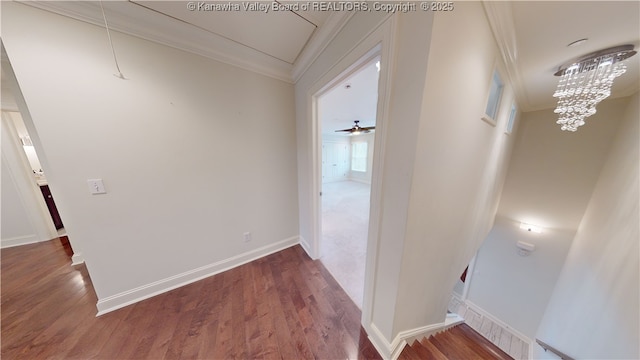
394, 349
20, 240
409, 336
77, 259
140, 293
306, 247
379, 341
363, 181
424, 332
502, 324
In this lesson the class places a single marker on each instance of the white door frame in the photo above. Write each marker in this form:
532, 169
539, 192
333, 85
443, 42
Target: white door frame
358, 64
469, 278
379, 42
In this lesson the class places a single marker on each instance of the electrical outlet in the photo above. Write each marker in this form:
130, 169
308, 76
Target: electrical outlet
247, 237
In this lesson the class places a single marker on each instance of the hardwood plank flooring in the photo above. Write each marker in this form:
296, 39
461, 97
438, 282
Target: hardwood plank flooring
283, 306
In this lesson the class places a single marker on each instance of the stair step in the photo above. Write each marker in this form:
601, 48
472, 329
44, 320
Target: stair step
433, 350
458, 342
454, 347
409, 353
485, 347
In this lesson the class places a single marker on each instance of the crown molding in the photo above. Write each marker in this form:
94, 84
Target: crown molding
500, 17
319, 41
134, 20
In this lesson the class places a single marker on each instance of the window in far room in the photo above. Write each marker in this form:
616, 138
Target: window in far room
359, 156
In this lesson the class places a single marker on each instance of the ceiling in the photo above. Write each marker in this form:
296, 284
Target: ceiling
354, 98
267, 38
532, 37
262, 28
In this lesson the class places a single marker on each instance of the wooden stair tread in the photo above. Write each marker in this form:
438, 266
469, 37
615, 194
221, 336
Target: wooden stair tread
485, 347
435, 353
428, 351
409, 353
453, 346
458, 342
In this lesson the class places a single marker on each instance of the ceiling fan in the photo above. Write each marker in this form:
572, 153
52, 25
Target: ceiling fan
357, 129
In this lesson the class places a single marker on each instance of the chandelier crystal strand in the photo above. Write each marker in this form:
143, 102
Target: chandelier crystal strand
585, 84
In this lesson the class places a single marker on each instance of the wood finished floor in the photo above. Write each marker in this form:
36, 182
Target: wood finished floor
283, 306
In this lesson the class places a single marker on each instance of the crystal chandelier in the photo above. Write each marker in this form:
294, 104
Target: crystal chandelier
587, 81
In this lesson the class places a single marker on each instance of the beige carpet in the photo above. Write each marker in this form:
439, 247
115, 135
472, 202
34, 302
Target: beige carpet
345, 222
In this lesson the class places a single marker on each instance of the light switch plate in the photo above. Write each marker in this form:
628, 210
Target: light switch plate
96, 186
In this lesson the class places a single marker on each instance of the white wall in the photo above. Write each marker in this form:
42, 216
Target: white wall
411, 46
192, 152
594, 310
513, 288
30, 151
550, 179
459, 167
553, 172
15, 220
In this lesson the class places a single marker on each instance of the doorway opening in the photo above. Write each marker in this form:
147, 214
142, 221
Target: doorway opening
347, 116
36, 168
27, 175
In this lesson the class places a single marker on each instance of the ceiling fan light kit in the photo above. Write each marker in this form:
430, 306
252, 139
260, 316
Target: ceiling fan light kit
357, 129
587, 81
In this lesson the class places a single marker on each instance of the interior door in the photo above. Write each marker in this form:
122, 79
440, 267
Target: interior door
335, 161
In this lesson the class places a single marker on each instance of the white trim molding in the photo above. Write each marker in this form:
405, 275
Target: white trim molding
319, 41
133, 19
77, 259
482, 312
379, 341
424, 332
394, 349
491, 317
143, 292
500, 18
137, 21
307, 248
362, 181
20, 240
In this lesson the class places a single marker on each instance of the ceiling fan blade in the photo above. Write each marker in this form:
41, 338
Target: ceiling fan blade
357, 128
